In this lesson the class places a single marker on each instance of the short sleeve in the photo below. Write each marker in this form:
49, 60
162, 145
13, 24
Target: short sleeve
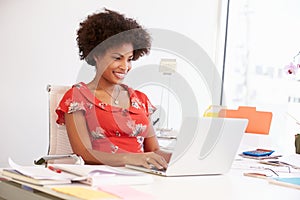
72, 101
148, 106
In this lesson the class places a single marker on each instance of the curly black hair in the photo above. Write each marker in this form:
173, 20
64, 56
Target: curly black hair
101, 31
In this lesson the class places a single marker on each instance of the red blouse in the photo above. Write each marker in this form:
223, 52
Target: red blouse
112, 129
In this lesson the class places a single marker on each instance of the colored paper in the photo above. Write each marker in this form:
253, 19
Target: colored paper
126, 192
85, 193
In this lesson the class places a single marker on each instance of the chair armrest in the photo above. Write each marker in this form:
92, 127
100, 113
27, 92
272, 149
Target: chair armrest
45, 159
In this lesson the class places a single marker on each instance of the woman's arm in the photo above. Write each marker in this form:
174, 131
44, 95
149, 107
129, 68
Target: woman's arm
81, 145
151, 144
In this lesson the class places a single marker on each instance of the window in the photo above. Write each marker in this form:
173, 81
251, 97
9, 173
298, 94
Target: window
263, 37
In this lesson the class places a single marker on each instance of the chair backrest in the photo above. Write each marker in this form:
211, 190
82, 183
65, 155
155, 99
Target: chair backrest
59, 143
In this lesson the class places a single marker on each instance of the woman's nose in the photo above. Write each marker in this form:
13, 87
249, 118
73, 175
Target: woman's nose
125, 65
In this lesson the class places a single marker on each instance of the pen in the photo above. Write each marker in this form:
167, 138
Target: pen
273, 163
155, 121
54, 169
256, 175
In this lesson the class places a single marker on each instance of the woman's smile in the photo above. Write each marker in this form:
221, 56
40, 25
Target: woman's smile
119, 75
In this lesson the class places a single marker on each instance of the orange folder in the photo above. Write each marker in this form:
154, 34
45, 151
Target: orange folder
258, 122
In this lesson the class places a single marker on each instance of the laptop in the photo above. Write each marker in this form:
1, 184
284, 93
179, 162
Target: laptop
204, 146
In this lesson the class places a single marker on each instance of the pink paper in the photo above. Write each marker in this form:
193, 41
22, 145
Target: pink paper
126, 192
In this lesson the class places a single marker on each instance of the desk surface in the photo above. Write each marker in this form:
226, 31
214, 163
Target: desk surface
231, 186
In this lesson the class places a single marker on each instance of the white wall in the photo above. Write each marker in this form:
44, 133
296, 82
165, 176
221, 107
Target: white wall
38, 47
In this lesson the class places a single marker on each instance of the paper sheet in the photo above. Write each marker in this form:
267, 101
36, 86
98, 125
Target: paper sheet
85, 193
39, 172
127, 193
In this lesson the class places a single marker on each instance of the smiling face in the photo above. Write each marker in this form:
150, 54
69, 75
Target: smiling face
113, 66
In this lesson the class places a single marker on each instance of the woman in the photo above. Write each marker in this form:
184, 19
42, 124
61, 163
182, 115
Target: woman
107, 121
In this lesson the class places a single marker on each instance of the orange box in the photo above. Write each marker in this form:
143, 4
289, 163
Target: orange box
259, 122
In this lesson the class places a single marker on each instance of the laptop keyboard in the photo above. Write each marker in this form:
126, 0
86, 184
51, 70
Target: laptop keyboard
157, 169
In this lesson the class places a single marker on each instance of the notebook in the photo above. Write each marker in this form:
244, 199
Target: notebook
204, 146
15, 175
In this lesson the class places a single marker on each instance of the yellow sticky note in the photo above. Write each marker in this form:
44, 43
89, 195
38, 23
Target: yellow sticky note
85, 193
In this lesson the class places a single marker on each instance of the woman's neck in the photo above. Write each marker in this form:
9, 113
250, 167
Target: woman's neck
102, 84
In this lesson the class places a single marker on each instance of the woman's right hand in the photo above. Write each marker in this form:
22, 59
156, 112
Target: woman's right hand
147, 160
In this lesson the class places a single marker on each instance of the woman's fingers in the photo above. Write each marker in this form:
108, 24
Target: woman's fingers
155, 160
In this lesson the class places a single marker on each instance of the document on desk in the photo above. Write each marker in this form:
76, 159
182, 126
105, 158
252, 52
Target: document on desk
104, 192
36, 172
15, 175
86, 193
37, 175
97, 175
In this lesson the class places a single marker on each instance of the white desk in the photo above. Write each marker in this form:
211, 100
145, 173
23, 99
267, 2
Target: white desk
232, 186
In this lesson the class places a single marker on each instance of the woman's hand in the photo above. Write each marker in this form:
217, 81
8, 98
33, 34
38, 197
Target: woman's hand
146, 160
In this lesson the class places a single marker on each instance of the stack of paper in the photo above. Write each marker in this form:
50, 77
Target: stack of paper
37, 175
13, 174
97, 175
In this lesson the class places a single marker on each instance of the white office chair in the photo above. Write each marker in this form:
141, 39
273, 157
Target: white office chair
59, 150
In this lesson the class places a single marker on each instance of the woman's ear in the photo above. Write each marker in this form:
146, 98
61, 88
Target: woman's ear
96, 58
